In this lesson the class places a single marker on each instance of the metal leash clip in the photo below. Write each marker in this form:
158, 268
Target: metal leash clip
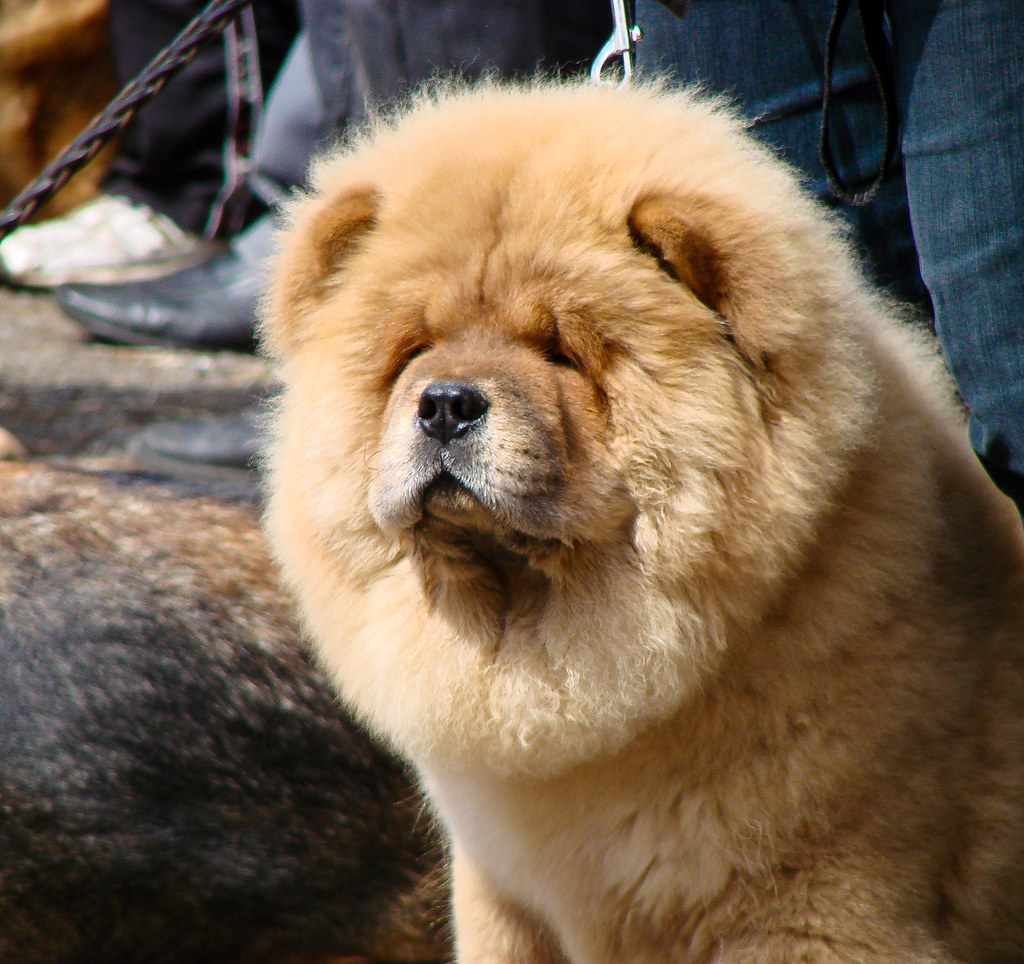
622, 43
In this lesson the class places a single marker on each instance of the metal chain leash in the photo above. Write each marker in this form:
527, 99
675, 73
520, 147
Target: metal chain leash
150, 81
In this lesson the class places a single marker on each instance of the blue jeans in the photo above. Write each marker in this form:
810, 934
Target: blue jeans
960, 82
955, 203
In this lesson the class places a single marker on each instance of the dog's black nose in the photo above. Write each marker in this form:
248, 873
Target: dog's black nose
448, 409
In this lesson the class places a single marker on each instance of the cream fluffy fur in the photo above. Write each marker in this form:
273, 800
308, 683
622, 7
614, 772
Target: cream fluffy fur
706, 635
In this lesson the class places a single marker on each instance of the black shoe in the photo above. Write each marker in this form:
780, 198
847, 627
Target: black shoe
218, 447
211, 305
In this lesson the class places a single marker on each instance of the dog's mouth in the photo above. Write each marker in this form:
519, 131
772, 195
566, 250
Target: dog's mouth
447, 498
453, 492
451, 512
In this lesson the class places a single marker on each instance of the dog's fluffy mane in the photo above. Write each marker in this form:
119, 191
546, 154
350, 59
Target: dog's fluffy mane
737, 432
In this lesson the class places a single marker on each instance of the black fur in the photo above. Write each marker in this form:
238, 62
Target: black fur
177, 781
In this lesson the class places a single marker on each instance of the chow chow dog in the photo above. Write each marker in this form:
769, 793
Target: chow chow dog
619, 503
177, 781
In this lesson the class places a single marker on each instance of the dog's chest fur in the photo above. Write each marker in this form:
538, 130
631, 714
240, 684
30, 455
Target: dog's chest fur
583, 849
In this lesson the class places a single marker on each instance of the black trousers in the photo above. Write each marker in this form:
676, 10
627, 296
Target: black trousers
396, 43
173, 154
355, 54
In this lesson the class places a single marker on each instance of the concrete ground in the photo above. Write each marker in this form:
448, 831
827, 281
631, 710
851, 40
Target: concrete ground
75, 402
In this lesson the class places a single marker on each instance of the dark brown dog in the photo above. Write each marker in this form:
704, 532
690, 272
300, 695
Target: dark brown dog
177, 782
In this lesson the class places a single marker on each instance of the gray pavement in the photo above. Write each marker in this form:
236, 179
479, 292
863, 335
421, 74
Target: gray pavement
75, 402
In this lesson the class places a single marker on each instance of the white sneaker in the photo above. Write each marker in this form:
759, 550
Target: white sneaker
107, 240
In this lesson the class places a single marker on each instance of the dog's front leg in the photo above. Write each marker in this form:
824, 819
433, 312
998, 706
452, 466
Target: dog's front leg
489, 929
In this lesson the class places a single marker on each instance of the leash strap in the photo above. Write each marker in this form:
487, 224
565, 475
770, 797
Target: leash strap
872, 20
245, 107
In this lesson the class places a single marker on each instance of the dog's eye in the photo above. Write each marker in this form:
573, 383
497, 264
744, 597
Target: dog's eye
554, 355
398, 359
414, 353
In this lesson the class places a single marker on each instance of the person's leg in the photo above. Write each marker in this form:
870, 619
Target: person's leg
398, 43
514, 37
212, 304
172, 153
299, 120
769, 58
960, 74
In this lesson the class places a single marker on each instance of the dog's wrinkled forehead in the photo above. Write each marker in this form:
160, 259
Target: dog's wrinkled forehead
478, 263
452, 305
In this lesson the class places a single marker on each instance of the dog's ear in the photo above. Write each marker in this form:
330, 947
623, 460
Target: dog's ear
314, 248
727, 265
681, 245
